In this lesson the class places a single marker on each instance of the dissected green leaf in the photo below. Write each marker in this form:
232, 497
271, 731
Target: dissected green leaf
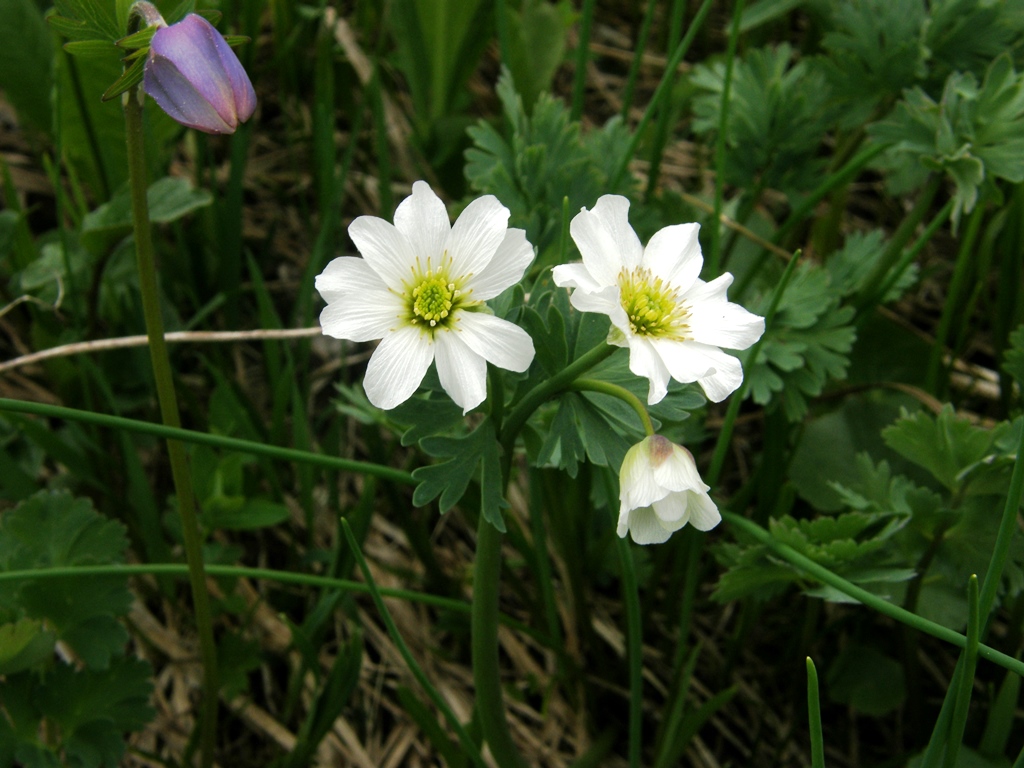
974, 133
450, 478
545, 160
778, 114
876, 49
806, 347
852, 266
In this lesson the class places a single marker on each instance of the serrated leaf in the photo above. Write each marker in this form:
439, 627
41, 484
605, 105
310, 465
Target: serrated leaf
23, 645
56, 530
450, 478
94, 708
944, 445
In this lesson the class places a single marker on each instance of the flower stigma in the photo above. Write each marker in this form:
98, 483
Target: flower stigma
652, 306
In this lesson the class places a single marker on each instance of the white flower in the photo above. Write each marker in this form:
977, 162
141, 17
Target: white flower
672, 321
420, 287
660, 491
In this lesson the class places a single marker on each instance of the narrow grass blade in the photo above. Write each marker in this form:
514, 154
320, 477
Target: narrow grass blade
814, 717
435, 696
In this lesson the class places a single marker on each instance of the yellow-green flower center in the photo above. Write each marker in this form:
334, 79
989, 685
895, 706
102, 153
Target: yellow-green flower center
433, 297
653, 307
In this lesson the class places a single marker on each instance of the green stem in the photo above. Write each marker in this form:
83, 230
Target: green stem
952, 306
845, 174
607, 388
582, 56
714, 259
205, 438
825, 576
263, 574
167, 397
546, 390
490, 707
638, 53
900, 238
660, 93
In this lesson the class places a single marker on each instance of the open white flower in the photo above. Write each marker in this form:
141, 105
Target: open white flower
420, 287
660, 491
672, 321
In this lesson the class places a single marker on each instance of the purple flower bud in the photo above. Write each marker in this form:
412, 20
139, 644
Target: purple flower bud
195, 77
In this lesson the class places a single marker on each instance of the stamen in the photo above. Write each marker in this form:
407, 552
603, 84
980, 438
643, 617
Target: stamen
653, 307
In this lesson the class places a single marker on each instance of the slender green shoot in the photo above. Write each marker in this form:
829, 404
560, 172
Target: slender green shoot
206, 438
814, 717
825, 576
714, 259
470, 747
661, 92
966, 683
579, 84
639, 48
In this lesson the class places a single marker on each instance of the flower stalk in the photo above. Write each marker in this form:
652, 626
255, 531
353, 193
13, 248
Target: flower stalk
167, 398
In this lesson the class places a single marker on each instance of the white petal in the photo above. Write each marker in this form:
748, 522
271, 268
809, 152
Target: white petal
347, 274
605, 301
497, 341
423, 219
644, 526
463, 373
678, 472
506, 269
704, 514
368, 316
397, 367
673, 254
645, 361
701, 292
476, 235
724, 324
575, 276
637, 486
673, 508
605, 239
388, 252
718, 374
